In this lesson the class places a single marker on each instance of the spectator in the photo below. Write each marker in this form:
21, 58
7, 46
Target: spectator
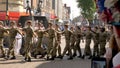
111, 51
116, 59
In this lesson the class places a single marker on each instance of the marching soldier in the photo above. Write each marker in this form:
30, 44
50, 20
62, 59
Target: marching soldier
51, 36
2, 31
72, 41
12, 34
78, 36
96, 41
67, 34
103, 39
40, 34
88, 37
57, 43
28, 40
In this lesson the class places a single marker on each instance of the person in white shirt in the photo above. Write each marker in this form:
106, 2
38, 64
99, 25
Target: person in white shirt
18, 44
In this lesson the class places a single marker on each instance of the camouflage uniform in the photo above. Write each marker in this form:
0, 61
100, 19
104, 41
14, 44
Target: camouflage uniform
77, 41
12, 33
2, 31
40, 34
67, 34
57, 44
72, 41
102, 39
51, 33
28, 42
96, 43
88, 36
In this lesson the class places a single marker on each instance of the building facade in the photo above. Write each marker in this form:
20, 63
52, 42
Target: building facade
15, 9
66, 12
57, 6
46, 7
52, 9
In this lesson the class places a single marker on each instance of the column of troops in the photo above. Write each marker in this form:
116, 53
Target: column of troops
73, 38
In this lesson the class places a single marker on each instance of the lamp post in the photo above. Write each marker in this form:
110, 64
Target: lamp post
7, 13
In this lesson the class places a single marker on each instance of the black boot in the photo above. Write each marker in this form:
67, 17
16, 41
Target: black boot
29, 59
74, 54
83, 57
70, 58
44, 54
90, 57
35, 56
47, 58
13, 58
60, 56
25, 58
79, 56
51, 58
67, 54
94, 55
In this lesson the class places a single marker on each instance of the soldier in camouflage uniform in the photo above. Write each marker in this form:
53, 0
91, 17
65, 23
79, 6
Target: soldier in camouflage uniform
2, 31
28, 40
102, 40
40, 34
57, 43
96, 41
51, 36
78, 36
88, 37
67, 34
72, 41
12, 34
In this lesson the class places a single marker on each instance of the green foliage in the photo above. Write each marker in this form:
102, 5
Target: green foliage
87, 8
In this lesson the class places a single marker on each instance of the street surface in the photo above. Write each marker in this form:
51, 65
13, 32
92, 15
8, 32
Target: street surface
41, 63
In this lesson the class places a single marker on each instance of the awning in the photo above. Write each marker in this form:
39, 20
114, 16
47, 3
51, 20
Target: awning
12, 15
2, 15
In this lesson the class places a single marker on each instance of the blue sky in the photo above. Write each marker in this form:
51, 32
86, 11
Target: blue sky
74, 10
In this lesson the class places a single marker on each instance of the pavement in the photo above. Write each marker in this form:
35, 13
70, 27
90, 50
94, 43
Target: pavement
41, 63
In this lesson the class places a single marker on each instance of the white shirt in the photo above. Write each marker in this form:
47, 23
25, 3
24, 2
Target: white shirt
116, 60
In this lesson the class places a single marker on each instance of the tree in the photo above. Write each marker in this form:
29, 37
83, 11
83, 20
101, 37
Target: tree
87, 8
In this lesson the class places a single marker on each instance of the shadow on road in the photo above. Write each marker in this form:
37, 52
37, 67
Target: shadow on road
13, 62
75, 63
